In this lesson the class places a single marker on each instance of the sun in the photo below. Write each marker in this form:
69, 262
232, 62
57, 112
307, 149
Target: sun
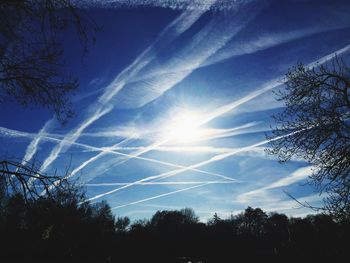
184, 128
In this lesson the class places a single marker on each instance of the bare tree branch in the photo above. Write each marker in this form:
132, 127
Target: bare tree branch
317, 103
31, 53
18, 178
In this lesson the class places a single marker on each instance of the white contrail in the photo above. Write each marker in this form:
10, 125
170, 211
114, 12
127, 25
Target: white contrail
33, 146
80, 167
122, 133
161, 183
161, 195
194, 166
213, 159
206, 5
172, 31
114, 150
204, 44
211, 134
176, 28
14, 133
198, 149
73, 136
265, 41
329, 57
252, 45
96, 157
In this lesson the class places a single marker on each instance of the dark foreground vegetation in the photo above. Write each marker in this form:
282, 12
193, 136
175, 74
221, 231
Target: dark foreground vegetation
58, 229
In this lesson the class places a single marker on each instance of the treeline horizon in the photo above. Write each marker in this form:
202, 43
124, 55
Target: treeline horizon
62, 229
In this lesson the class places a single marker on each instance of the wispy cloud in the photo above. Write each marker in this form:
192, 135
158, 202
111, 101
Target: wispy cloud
296, 176
265, 41
219, 5
193, 166
14, 133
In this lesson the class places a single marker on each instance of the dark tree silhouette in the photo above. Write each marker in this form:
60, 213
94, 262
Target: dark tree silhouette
252, 221
63, 229
31, 64
122, 224
214, 220
317, 104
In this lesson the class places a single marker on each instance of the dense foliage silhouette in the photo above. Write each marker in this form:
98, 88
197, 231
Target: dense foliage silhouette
67, 229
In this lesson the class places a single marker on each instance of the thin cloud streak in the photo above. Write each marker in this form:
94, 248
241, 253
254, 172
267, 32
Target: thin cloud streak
191, 167
246, 47
161, 195
160, 183
267, 41
296, 176
72, 137
14, 133
80, 167
95, 158
211, 38
33, 146
217, 113
206, 5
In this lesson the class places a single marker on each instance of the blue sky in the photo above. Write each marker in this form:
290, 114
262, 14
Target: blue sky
174, 102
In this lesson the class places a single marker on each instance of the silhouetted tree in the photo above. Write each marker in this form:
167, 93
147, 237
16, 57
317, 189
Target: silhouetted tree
31, 52
277, 232
214, 220
122, 224
61, 225
26, 179
253, 221
76, 231
317, 110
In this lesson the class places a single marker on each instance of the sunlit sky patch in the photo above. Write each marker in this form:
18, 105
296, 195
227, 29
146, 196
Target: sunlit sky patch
174, 102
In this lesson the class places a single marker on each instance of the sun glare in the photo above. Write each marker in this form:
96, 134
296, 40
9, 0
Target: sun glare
184, 128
